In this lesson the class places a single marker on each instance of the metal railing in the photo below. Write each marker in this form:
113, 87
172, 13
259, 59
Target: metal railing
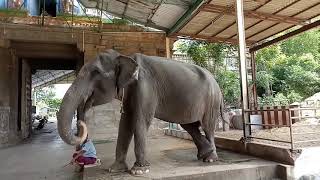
293, 114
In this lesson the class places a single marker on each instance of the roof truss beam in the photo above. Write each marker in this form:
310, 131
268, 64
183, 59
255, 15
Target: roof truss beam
211, 39
291, 4
286, 36
253, 14
185, 17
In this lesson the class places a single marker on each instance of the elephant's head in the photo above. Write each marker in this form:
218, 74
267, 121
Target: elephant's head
107, 73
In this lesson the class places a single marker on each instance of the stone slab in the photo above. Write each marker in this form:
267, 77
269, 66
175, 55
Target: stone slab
274, 153
172, 158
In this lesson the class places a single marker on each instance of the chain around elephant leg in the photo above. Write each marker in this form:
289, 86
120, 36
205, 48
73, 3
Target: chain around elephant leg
140, 168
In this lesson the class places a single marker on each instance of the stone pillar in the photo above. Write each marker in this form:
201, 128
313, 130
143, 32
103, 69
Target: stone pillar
8, 97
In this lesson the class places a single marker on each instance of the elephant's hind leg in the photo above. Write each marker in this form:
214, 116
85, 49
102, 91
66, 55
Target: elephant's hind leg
203, 145
210, 137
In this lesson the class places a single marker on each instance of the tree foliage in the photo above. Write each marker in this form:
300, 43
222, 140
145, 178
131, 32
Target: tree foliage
46, 97
286, 72
290, 71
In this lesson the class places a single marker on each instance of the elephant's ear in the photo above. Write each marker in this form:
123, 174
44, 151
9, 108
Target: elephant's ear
127, 70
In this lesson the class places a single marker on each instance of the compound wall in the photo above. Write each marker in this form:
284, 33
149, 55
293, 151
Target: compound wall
87, 42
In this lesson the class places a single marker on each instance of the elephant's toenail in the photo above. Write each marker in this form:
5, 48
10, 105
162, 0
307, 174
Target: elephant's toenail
147, 170
139, 172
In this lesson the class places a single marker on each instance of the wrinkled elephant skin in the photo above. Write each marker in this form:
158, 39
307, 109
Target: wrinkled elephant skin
151, 87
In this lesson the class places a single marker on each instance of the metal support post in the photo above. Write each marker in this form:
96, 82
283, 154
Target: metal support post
72, 18
43, 11
243, 67
83, 41
100, 24
291, 133
254, 79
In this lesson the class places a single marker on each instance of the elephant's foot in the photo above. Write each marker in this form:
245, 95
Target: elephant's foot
140, 168
203, 153
118, 167
212, 157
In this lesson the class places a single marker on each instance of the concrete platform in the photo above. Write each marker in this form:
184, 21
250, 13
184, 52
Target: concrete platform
172, 158
41, 158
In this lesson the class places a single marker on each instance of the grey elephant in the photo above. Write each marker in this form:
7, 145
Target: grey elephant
149, 87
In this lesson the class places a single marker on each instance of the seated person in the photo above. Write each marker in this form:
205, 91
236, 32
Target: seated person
85, 154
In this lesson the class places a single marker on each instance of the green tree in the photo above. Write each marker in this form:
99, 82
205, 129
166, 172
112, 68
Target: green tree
230, 86
46, 96
308, 42
54, 103
289, 71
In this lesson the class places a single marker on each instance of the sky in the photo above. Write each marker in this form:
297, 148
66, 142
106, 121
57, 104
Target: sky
61, 89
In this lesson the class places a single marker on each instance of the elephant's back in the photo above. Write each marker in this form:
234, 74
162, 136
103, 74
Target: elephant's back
175, 69
182, 88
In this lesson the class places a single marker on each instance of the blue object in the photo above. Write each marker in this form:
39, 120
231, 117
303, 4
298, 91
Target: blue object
89, 148
3, 4
33, 7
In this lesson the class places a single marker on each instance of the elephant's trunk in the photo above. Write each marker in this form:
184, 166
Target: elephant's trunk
77, 92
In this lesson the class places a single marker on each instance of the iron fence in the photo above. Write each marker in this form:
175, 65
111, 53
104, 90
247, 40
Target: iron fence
296, 113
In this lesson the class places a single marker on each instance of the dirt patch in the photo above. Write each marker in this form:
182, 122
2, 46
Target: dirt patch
282, 134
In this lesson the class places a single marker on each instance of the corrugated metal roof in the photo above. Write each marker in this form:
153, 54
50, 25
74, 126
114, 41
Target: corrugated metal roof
44, 78
214, 20
160, 14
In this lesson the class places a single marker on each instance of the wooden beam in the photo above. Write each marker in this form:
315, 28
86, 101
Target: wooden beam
185, 17
286, 29
279, 23
286, 36
210, 39
125, 8
168, 48
154, 11
214, 20
234, 22
254, 14
291, 4
302, 11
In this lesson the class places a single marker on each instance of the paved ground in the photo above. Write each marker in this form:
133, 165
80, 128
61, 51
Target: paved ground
173, 158
41, 158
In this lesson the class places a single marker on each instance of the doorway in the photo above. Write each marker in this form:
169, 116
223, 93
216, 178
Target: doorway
50, 63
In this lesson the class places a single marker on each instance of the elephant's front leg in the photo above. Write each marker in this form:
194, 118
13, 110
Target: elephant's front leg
141, 166
124, 138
